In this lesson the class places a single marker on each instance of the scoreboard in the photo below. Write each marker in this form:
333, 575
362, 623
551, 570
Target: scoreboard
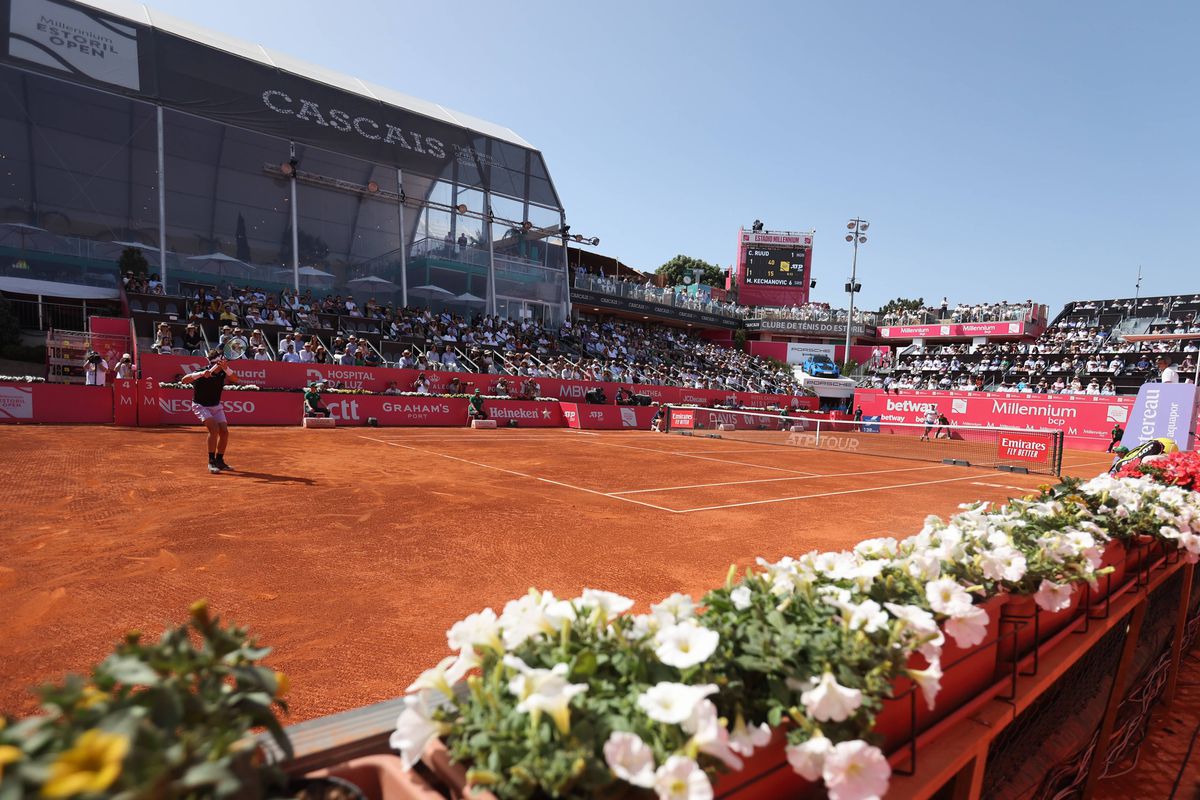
775, 267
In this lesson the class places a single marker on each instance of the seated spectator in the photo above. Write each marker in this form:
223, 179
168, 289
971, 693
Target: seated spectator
163, 339
454, 386
500, 389
1108, 388
421, 384
261, 353
475, 408
193, 341
370, 358
312, 402
290, 356
392, 388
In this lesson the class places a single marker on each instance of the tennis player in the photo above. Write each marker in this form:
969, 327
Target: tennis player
930, 419
207, 385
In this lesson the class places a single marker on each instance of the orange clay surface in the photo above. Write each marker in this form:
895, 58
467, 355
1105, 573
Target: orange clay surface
351, 551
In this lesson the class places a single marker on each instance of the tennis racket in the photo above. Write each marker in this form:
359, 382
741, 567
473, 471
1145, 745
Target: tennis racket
234, 347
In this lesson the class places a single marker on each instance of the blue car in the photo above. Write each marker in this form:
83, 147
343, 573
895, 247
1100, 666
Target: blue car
820, 367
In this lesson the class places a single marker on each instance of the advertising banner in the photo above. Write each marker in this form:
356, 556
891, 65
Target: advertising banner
280, 375
1085, 420
55, 403
75, 41
683, 418
610, 418
1033, 447
241, 408
798, 351
956, 329
1163, 410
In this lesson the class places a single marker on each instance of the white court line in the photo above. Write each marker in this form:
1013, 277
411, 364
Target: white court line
824, 494
707, 458
519, 474
776, 480
1003, 486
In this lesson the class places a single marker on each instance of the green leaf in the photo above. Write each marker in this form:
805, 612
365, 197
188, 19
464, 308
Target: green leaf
130, 671
584, 664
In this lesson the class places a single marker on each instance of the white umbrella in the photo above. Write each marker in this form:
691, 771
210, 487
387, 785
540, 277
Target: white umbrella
313, 272
373, 282
430, 291
21, 229
467, 297
221, 261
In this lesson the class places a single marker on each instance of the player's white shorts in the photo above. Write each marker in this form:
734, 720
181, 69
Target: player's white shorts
205, 413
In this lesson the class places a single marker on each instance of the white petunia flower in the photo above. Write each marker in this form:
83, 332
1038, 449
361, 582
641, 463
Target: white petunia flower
675, 608
630, 759
1003, 564
946, 596
610, 603
922, 625
682, 779
709, 735
476, 630
414, 730
740, 597
808, 759
867, 616
968, 627
449, 671
685, 644
856, 771
672, 703
929, 680
829, 701
1052, 596
544, 691
745, 739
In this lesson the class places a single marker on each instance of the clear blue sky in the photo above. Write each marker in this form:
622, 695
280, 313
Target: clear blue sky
1000, 150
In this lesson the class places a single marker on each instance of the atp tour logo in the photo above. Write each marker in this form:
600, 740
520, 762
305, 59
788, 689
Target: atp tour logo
828, 441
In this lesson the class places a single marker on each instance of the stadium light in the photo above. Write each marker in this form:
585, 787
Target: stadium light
857, 227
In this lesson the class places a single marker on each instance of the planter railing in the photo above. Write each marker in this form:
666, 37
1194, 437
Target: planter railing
984, 693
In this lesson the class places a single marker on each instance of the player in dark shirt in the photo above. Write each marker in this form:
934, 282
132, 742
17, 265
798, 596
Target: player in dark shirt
207, 385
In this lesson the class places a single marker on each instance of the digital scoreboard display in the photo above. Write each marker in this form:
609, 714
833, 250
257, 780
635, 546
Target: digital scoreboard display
775, 267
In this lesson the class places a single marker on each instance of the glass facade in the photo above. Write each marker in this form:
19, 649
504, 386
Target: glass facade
80, 182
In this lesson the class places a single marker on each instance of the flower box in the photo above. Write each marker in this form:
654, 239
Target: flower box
968, 679
1116, 556
383, 777
766, 774
1032, 625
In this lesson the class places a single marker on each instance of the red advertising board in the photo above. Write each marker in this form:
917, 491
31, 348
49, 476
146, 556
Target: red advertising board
954, 330
241, 408
611, 418
55, 403
683, 418
1026, 446
279, 375
1085, 420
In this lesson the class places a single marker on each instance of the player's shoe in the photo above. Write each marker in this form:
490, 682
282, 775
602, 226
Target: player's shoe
221, 465
213, 468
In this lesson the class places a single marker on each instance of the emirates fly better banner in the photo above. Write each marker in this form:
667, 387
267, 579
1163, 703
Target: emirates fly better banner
1085, 420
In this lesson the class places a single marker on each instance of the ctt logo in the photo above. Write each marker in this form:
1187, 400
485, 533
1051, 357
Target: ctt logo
345, 410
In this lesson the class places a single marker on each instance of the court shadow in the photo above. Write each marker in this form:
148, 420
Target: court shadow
266, 477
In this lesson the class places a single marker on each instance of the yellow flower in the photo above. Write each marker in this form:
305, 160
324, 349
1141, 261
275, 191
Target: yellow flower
8, 755
92, 696
283, 684
92, 765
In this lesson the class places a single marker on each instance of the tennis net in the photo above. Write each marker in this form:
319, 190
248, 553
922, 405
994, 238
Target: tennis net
1037, 450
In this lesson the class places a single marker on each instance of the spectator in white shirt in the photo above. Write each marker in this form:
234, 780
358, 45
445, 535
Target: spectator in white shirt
95, 369
289, 354
307, 356
1166, 373
125, 367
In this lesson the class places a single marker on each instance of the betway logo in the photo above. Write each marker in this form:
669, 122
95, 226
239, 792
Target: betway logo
1026, 409
909, 405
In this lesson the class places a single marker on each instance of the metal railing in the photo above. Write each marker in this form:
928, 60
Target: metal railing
663, 296
41, 315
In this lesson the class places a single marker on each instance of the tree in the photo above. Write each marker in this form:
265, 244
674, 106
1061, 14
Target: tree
903, 304
682, 265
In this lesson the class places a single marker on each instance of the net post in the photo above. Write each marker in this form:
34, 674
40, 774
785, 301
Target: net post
817, 440
666, 419
1058, 453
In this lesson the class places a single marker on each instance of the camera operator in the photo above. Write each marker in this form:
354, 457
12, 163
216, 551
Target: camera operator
125, 367
95, 369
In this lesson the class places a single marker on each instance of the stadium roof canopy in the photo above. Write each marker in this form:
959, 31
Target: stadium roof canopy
145, 15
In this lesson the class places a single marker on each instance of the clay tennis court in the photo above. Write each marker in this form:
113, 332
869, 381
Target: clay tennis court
351, 551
